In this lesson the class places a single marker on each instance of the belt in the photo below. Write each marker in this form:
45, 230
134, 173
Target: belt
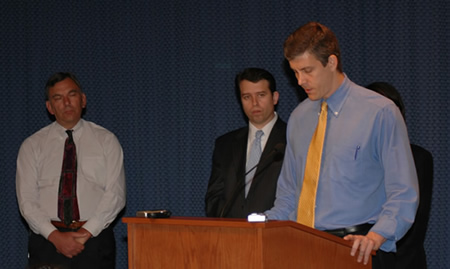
75, 225
361, 229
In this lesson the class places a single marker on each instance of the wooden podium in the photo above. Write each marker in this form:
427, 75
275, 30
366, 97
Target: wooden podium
185, 242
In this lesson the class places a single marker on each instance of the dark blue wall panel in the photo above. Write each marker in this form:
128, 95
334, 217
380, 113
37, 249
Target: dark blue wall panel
160, 75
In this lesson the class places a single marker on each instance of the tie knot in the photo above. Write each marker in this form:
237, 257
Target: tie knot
324, 106
258, 134
69, 133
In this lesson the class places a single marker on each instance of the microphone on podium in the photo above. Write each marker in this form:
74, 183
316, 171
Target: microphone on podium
275, 155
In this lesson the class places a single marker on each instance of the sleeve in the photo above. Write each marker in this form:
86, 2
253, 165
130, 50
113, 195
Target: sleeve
214, 198
401, 184
27, 190
114, 196
286, 196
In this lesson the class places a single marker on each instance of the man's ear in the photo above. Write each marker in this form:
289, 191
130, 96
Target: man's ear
333, 61
49, 108
275, 96
83, 100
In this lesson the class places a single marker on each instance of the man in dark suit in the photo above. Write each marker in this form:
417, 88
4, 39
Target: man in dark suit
234, 189
410, 250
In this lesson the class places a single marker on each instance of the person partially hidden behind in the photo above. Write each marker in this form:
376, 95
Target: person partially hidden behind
348, 167
410, 249
70, 184
246, 162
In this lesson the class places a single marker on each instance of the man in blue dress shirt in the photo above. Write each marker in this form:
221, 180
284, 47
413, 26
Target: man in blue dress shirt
367, 191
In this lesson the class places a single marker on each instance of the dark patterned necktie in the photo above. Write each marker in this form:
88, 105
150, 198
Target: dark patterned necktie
67, 196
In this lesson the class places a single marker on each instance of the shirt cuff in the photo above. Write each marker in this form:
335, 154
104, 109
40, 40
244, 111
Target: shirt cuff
47, 229
94, 227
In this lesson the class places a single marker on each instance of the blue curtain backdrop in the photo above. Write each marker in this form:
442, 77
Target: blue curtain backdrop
159, 74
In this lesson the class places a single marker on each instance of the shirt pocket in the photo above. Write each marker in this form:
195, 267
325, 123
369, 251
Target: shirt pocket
92, 169
44, 183
346, 162
48, 186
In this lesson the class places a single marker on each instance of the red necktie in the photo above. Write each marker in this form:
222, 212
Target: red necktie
67, 196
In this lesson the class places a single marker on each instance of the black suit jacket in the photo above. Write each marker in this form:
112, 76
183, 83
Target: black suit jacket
227, 180
410, 249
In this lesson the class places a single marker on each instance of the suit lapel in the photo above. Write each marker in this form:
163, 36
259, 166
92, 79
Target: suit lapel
239, 154
274, 138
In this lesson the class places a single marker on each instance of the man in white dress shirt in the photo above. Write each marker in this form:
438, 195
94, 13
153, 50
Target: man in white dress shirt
88, 242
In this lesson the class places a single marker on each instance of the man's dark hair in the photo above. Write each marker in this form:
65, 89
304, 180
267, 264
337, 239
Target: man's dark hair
316, 39
254, 75
57, 77
389, 91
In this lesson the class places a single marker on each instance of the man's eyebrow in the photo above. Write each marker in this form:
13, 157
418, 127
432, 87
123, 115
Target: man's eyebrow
306, 67
71, 91
55, 94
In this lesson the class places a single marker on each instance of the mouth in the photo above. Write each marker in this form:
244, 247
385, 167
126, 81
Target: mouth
69, 112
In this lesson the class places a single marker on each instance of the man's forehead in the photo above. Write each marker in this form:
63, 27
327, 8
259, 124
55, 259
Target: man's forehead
303, 61
259, 86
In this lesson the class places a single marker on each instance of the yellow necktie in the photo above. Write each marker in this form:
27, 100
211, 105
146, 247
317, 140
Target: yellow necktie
307, 200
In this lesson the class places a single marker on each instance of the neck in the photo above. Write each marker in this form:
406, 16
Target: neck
336, 82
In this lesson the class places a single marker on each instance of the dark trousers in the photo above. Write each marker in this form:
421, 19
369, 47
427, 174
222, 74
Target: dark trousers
99, 252
382, 259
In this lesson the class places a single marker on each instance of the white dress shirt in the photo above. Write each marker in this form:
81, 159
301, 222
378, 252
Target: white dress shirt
266, 129
100, 176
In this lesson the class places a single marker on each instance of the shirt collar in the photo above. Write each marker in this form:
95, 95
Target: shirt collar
77, 129
336, 101
266, 129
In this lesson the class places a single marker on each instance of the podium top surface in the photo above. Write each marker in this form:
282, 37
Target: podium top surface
232, 223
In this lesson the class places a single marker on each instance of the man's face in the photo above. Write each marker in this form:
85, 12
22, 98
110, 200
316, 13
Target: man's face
313, 77
66, 102
258, 102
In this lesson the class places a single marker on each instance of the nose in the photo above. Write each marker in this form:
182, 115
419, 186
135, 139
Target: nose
255, 101
300, 79
66, 100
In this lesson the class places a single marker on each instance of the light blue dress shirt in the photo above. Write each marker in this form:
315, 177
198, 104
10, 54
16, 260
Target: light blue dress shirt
367, 173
